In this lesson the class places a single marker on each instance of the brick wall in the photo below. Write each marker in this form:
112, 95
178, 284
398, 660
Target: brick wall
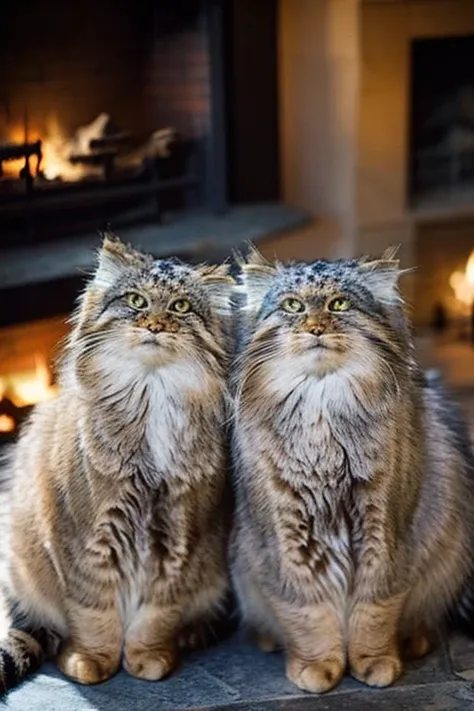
145, 66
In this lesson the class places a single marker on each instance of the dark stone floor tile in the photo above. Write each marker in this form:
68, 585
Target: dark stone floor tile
461, 650
448, 696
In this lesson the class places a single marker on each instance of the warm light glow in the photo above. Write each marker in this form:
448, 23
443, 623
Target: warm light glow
11, 168
56, 149
7, 424
462, 283
30, 387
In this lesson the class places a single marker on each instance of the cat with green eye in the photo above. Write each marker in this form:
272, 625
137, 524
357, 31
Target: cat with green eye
116, 502
354, 476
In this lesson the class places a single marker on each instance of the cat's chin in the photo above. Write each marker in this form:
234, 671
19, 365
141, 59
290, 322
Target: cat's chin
153, 354
324, 360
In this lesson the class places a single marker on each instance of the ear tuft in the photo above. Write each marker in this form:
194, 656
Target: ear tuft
391, 253
115, 257
382, 275
256, 276
218, 284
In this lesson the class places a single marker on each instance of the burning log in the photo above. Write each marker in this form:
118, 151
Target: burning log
159, 145
17, 151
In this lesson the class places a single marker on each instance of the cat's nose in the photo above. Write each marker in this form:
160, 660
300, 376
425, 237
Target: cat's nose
155, 326
317, 329
152, 324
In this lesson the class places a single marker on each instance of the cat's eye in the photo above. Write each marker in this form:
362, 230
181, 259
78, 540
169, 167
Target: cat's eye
136, 301
180, 306
293, 306
339, 305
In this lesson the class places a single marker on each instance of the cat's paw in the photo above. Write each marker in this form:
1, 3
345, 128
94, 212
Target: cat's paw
83, 668
376, 671
316, 677
149, 664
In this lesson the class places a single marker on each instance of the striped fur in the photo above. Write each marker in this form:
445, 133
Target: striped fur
354, 476
115, 519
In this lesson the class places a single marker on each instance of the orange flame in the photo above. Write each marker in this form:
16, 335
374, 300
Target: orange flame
56, 149
7, 424
29, 387
462, 283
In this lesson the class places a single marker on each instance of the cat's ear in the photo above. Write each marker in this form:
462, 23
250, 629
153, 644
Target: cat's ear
218, 284
381, 276
114, 258
256, 276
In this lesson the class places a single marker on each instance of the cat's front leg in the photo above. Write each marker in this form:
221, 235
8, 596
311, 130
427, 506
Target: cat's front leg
151, 644
93, 650
374, 655
314, 645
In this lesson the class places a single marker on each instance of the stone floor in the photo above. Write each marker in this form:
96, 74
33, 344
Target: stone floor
236, 676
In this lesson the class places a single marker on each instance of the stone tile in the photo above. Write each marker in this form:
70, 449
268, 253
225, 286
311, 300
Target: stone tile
448, 696
461, 651
191, 687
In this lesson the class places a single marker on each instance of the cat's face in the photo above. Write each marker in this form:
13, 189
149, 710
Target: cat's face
321, 317
137, 310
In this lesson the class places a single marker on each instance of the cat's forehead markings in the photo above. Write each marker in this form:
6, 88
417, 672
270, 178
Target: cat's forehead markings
320, 272
171, 270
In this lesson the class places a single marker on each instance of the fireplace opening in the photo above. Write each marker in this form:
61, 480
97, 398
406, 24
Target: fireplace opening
442, 121
114, 112
27, 354
106, 113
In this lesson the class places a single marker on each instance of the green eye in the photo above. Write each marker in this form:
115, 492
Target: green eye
136, 301
293, 306
181, 306
339, 305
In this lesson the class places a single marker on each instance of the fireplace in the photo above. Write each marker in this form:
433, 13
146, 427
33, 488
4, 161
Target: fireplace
118, 112
442, 121
27, 354
157, 118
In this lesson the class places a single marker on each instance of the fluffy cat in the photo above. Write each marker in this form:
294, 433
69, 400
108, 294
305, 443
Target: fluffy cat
354, 480
116, 513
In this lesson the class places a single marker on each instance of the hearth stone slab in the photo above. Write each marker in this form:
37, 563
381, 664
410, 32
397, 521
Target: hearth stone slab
196, 234
235, 676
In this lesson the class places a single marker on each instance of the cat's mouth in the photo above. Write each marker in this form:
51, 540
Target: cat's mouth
318, 344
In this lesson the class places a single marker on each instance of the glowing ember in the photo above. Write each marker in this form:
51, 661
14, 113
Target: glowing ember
30, 387
462, 283
7, 424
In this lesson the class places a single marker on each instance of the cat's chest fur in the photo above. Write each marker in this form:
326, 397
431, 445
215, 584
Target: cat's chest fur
313, 509
308, 426
171, 424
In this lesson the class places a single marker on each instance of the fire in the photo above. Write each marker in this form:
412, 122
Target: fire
7, 424
29, 387
56, 149
462, 283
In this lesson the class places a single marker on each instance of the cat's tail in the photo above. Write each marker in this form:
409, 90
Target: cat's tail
22, 653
